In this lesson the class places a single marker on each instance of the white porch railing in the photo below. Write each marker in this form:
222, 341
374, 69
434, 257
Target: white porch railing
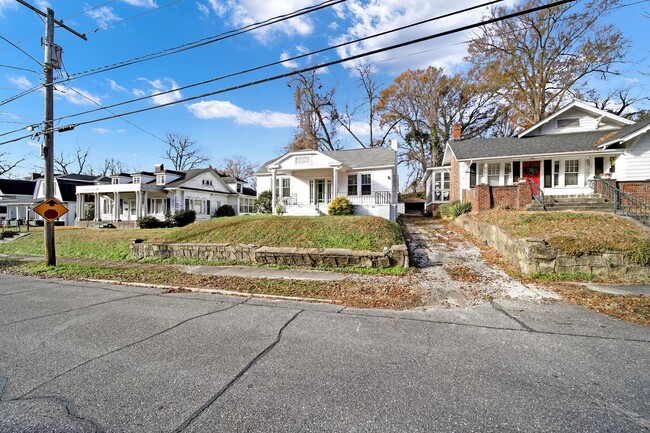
375, 197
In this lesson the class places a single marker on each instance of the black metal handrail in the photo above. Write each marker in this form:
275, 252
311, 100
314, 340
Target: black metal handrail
624, 203
538, 194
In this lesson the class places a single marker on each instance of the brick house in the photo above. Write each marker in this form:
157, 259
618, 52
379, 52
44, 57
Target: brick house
555, 158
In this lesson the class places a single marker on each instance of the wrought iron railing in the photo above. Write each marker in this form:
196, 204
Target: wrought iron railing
292, 200
538, 194
624, 203
377, 197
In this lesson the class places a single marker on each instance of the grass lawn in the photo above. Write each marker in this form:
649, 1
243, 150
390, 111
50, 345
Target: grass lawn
352, 232
573, 232
388, 292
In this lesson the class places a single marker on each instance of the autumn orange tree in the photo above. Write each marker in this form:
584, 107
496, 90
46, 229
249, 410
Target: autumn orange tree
423, 106
536, 62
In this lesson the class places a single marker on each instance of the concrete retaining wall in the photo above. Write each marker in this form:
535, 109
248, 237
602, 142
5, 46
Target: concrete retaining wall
396, 256
536, 255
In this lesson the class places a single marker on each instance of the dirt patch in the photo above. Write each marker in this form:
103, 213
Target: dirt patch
452, 269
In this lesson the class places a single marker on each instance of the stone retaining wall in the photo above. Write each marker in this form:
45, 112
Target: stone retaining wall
536, 255
396, 256
85, 224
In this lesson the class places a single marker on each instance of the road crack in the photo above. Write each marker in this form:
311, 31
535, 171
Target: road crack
241, 372
500, 309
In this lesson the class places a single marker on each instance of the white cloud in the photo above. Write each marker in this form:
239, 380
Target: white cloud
103, 16
245, 12
20, 81
142, 3
203, 9
34, 144
43, 4
7, 4
115, 86
77, 96
376, 16
228, 110
139, 93
333, 25
9, 115
291, 64
160, 85
105, 131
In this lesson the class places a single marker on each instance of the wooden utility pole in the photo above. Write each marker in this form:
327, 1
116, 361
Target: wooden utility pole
48, 122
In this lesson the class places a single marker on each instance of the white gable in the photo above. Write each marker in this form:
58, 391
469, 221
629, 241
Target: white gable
208, 181
577, 117
304, 160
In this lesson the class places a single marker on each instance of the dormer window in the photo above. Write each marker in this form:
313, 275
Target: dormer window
568, 122
207, 182
303, 160
160, 179
137, 179
239, 187
115, 181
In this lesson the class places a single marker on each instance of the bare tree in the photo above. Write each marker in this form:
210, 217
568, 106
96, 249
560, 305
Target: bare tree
537, 61
183, 153
62, 163
315, 112
620, 102
111, 166
240, 167
6, 165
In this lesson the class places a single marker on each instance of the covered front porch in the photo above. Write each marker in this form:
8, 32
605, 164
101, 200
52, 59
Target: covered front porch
124, 202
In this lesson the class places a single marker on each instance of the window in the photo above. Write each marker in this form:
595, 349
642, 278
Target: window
283, 187
207, 182
569, 122
493, 173
365, 184
441, 186
571, 168
115, 181
556, 173
303, 160
160, 179
507, 173
246, 205
353, 185
481, 174
207, 204
239, 187
137, 179
587, 170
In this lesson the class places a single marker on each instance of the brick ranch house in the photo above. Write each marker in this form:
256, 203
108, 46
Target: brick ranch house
555, 159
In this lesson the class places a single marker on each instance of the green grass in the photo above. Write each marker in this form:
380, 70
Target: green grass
351, 232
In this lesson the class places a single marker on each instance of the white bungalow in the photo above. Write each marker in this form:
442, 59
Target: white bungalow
306, 181
125, 197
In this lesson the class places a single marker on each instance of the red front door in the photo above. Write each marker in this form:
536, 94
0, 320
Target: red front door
530, 170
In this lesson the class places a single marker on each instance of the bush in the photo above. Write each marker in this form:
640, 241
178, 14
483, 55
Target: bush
455, 209
263, 203
340, 206
184, 217
225, 211
149, 222
89, 211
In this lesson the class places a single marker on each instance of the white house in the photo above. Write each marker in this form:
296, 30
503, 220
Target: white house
306, 181
125, 197
15, 199
555, 157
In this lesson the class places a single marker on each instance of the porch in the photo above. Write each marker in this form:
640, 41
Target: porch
377, 203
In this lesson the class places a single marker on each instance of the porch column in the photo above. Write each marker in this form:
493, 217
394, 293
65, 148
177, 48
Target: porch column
98, 207
238, 204
116, 209
82, 207
146, 203
335, 182
77, 206
138, 204
273, 197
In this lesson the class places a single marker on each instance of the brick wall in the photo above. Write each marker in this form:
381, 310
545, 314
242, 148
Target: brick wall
454, 180
638, 189
504, 197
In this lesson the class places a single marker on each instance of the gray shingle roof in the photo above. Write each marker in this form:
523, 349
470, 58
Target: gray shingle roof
17, 186
530, 145
352, 158
628, 130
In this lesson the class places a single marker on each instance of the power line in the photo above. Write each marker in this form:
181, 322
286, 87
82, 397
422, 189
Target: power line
204, 41
21, 94
133, 17
104, 108
312, 53
20, 49
20, 69
314, 67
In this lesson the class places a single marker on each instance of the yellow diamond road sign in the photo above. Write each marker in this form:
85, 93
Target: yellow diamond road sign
51, 209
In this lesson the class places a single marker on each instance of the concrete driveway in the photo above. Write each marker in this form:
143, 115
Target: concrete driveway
82, 357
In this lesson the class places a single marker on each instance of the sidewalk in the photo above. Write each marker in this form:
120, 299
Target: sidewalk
620, 289
271, 273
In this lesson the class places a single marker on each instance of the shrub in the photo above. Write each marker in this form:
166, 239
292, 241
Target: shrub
263, 203
225, 211
184, 217
149, 222
89, 211
455, 209
340, 206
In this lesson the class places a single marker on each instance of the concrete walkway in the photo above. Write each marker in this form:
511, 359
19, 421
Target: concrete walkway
620, 289
271, 273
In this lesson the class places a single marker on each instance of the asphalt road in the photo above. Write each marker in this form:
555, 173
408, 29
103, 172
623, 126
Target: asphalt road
82, 357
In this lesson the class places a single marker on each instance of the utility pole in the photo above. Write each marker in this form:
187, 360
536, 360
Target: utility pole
48, 132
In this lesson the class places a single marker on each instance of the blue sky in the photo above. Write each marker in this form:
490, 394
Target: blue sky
255, 122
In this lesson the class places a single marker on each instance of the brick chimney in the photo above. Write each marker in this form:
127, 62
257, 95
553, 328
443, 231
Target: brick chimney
35, 176
457, 131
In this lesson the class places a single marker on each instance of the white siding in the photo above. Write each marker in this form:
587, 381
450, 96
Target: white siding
217, 184
588, 122
634, 164
263, 184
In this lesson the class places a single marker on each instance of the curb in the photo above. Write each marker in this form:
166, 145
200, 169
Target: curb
218, 291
